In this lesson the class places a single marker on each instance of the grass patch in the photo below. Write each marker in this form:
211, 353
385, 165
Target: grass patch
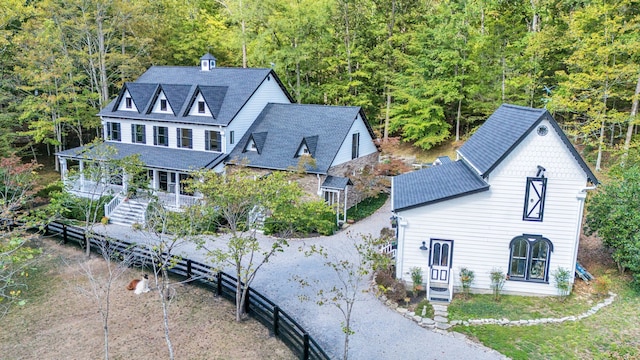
518, 307
366, 207
611, 333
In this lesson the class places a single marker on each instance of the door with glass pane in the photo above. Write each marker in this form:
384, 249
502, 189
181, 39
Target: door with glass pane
440, 260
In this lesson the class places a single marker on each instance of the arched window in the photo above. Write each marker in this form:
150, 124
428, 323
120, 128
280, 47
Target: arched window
529, 258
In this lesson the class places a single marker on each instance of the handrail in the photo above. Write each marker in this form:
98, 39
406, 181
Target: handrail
257, 305
113, 204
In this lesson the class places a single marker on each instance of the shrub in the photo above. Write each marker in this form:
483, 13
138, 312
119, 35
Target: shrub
466, 279
366, 207
497, 282
309, 217
562, 279
416, 278
392, 288
602, 285
74, 207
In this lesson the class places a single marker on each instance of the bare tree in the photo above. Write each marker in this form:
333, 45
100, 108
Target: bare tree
353, 268
100, 286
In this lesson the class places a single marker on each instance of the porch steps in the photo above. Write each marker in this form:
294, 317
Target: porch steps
439, 293
128, 213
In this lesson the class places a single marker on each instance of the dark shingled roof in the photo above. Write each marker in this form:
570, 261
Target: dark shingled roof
225, 90
336, 182
434, 184
152, 156
503, 131
285, 126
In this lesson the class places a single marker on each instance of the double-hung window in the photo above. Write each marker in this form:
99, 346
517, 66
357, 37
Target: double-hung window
185, 138
201, 107
138, 135
355, 145
161, 135
212, 140
163, 104
529, 258
113, 131
128, 102
534, 199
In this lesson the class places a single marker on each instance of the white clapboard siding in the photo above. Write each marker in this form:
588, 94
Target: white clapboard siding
482, 225
268, 92
367, 146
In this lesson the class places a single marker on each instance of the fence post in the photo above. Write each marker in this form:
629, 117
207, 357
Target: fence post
219, 283
188, 269
276, 320
305, 350
246, 301
64, 233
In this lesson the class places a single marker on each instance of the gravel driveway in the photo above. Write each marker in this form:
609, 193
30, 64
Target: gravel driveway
380, 332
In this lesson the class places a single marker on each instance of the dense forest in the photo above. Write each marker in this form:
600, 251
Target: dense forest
424, 71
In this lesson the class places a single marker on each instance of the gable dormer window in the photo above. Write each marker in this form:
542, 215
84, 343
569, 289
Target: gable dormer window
534, 198
128, 102
355, 145
163, 104
201, 107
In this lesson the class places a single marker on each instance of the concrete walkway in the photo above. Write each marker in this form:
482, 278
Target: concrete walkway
380, 332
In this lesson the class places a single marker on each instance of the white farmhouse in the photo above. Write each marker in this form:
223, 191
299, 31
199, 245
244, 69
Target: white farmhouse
179, 119
513, 200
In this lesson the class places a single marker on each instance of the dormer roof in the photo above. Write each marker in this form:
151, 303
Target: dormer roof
310, 143
225, 90
323, 129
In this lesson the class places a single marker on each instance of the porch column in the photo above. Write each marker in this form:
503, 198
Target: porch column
338, 207
346, 192
81, 175
177, 187
125, 186
155, 181
223, 142
63, 169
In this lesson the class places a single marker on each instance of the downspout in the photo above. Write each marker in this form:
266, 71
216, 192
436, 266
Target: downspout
581, 196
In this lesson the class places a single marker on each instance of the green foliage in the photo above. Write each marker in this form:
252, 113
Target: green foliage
366, 207
17, 187
613, 215
68, 206
424, 309
497, 282
416, 278
466, 279
602, 285
562, 281
306, 218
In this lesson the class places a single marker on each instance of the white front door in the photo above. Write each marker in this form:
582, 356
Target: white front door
440, 260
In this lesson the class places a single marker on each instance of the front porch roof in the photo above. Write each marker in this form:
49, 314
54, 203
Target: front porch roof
152, 156
336, 182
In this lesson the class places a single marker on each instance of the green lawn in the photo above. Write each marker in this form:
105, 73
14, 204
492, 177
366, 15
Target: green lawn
611, 333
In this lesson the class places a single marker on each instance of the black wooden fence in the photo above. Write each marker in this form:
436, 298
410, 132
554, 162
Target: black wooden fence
256, 305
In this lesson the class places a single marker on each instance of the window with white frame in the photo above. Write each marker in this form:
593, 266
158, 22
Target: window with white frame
213, 140
529, 258
355, 145
163, 104
185, 138
138, 135
201, 107
113, 131
128, 102
161, 135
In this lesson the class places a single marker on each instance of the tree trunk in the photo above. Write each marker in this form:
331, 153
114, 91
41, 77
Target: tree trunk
165, 311
632, 117
104, 86
386, 115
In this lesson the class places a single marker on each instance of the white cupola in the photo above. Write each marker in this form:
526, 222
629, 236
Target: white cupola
207, 62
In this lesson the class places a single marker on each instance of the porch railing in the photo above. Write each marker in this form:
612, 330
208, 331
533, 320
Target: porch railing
451, 280
113, 204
